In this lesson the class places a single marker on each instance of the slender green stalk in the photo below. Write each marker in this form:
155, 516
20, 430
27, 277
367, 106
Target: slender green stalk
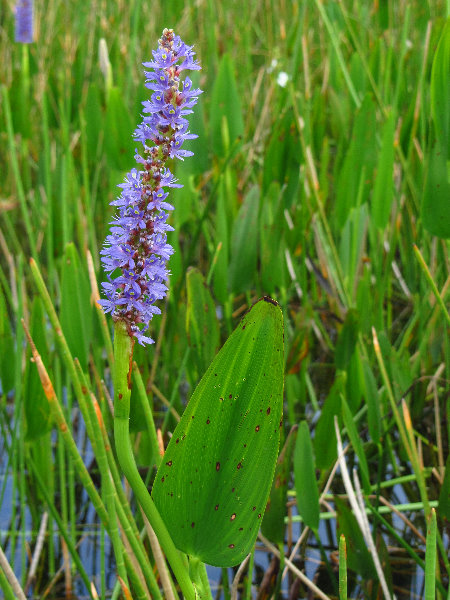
432, 283
404, 426
18, 434
151, 429
402, 542
113, 488
62, 526
123, 348
382, 510
114, 530
98, 309
61, 340
5, 586
342, 568
225, 584
197, 571
339, 55
251, 562
17, 175
430, 558
63, 428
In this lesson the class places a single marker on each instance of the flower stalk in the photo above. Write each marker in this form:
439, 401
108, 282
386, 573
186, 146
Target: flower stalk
136, 252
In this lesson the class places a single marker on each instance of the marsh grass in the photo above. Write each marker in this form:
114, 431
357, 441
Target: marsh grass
311, 192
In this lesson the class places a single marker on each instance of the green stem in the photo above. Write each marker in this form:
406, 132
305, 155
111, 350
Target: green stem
434, 288
197, 571
5, 586
430, 558
100, 444
148, 415
123, 352
342, 568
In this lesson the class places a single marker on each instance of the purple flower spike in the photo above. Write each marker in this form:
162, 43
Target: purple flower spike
136, 251
24, 21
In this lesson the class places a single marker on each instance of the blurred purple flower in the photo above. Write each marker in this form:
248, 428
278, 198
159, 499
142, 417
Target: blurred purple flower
24, 21
136, 251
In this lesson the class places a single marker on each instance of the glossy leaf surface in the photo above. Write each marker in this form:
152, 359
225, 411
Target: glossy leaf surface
212, 486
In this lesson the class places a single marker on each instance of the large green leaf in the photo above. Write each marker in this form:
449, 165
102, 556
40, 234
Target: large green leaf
201, 321
436, 195
212, 486
384, 186
305, 479
220, 280
226, 116
325, 436
119, 144
76, 309
273, 526
244, 244
37, 409
440, 90
346, 342
354, 175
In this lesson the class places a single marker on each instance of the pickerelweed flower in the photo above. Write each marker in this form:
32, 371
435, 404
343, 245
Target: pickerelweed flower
24, 21
136, 251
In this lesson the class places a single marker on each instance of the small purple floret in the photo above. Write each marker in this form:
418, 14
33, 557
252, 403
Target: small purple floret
136, 251
24, 21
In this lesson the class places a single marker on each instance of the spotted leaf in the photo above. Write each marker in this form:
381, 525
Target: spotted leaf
214, 480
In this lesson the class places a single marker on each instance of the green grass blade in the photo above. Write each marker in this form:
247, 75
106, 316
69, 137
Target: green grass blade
305, 478
430, 558
342, 568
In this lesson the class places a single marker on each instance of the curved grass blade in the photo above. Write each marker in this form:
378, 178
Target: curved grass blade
212, 486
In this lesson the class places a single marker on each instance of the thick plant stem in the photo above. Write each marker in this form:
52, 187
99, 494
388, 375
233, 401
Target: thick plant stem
199, 576
123, 354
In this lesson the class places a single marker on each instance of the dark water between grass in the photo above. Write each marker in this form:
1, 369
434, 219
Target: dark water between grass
97, 555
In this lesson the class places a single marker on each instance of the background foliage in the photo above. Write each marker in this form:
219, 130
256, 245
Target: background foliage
322, 159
